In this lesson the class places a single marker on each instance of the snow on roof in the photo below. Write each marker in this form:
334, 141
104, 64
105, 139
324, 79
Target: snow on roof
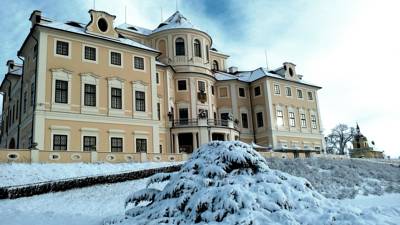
78, 30
177, 20
250, 76
135, 29
17, 70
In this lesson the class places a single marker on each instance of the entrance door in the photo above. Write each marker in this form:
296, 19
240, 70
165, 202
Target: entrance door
218, 137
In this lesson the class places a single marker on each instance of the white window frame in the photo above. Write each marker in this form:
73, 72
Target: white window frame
227, 92
316, 121
64, 75
286, 92
116, 133
109, 58
60, 130
69, 49
116, 82
290, 118
140, 86
141, 135
87, 60
277, 116
89, 78
187, 85
277, 89
205, 85
144, 63
90, 132
297, 93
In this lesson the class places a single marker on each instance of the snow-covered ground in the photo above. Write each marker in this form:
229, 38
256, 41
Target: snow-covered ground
235, 183
21, 173
343, 178
89, 206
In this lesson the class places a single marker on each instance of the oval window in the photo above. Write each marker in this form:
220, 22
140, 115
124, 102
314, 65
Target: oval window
12, 156
102, 24
291, 72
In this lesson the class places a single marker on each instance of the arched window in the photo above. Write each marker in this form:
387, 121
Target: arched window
207, 53
215, 65
197, 48
179, 46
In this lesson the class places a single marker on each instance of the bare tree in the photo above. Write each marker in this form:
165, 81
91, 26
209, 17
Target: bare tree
337, 140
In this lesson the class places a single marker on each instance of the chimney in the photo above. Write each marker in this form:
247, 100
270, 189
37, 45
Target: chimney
10, 64
36, 16
232, 69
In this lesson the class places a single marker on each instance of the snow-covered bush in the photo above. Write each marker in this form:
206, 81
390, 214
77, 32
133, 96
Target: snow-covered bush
230, 183
342, 178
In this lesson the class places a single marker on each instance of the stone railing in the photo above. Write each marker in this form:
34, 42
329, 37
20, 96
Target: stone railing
43, 156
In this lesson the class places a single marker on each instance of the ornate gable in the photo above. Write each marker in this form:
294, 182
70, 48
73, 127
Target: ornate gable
101, 23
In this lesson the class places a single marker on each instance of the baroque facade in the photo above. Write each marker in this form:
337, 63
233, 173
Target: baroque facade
125, 89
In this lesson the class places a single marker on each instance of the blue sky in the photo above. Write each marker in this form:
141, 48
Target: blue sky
350, 48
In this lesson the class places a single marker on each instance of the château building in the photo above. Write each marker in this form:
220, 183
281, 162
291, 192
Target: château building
101, 92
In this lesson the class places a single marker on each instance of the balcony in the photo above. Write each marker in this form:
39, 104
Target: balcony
204, 123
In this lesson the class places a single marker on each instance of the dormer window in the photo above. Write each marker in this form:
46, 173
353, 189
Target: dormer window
215, 65
291, 72
179, 47
102, 24
197, 48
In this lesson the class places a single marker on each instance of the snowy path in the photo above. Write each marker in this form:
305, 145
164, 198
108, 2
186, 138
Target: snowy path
82, 206
90, 205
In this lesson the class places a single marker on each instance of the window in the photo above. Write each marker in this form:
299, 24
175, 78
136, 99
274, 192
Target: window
141, 145
116, 144
90, 95
32, 93
179, 47
299, 93
90, 53
260, 120
313, 121
158, 111
197, 48
245, 123
140, 101
292, 121
25, 100
160, 148
60, 142
257, 91
157, 78
303, 120
310, 95
279, 117
61, 95
115, 58
201, 85
62, 48
223, 92
242, 92
89, 143
182, 85
207, 53
215, 66
212, 89
102, 24
116, 98
277, 89
138, 63
288, 91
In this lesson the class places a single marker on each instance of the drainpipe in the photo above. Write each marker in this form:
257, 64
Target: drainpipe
20, 98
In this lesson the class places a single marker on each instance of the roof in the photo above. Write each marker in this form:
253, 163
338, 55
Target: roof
17, 70
81, 30
250, 76
176, 21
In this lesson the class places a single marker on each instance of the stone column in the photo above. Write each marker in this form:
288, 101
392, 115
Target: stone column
194, 140
176, 143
